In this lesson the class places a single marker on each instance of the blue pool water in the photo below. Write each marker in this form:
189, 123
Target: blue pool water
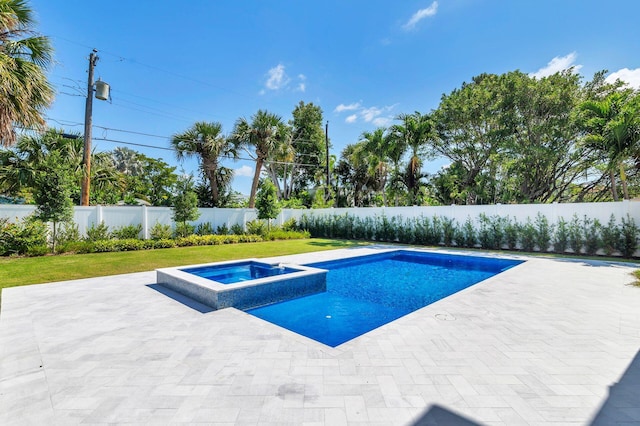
367, 292
238, 272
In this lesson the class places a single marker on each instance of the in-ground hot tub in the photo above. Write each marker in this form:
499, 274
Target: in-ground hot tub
243, 284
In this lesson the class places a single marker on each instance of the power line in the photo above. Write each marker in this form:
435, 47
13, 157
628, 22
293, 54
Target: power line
153, 67
229, 157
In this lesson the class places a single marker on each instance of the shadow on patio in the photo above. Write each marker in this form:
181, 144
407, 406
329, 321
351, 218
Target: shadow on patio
623, 404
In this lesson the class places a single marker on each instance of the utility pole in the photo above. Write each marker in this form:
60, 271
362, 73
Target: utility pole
326, 140
86, 158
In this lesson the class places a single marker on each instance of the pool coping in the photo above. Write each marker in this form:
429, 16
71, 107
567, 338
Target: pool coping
245, 294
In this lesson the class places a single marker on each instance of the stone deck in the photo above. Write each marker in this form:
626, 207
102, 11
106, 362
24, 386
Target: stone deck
547, 342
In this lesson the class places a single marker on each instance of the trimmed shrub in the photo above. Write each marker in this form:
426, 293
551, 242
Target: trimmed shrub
223, 229
20, 237
511, 231
160, 232
127, 232
592, 239
183, 230
256, 227
97, 233
290, 224
237, 229
205, 228
610, 235
628, 242
575, 235
561, 237
527, 236
543, 232
279, 234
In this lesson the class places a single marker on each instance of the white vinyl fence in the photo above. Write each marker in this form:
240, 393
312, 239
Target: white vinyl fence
118, 216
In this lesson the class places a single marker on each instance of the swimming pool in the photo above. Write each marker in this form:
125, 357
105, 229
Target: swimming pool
366, 292
239, 271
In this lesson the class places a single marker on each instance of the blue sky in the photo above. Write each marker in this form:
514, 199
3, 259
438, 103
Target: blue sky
170, 64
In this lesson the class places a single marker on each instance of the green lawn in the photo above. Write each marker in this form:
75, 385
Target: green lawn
36, 270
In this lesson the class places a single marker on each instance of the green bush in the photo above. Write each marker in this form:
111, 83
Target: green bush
205, 228
484, 234
130, 244
97, 233
610, 236
20, 237
127, 232
256, 227
511, 232
74, 247
160, 232
212, 240
543, 232
628, 242
290, 224
469, 235
237, 229
592, 239
561, 237
68, 233
527, 236
449, 227
39, 250
183, 230
223, 229
279, 234
575, 235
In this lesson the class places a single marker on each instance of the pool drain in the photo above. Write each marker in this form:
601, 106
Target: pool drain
445, 317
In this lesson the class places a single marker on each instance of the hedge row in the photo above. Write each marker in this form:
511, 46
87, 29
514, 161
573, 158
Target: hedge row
577, 235
29, 237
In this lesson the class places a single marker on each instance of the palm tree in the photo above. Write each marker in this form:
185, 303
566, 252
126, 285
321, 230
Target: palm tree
265, 133
413, 134
613, 126
20, 164
207, 142
24, 58
127, 161
376, 149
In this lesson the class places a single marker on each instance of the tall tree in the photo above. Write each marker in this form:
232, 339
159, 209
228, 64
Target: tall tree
542, 157
470, 130
24, 58
613, 128
353, 176
206, 141
309, 142
267, 201
376, 151
265, 133
20, 163
53, 187
412, 133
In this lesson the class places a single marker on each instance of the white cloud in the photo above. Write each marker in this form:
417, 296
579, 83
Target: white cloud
631, 77
302, 85
382, 121
368, 114
351, 107
420, 15
557, 64
278, 78
379, 116
244, 171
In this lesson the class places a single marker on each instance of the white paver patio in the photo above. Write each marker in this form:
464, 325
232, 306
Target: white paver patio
547, 342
